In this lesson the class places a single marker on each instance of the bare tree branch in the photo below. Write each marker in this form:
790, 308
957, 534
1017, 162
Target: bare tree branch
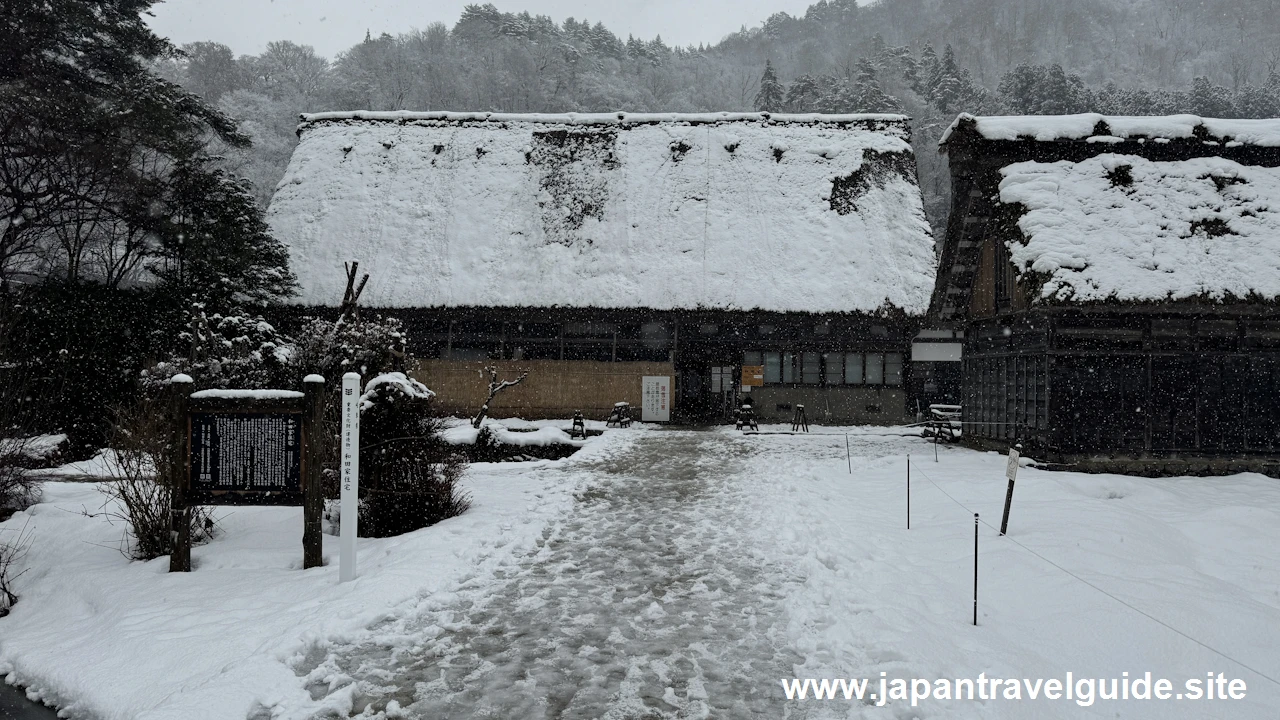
495, 386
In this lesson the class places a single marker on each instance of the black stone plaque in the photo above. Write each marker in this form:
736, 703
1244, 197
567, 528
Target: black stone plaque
241, 455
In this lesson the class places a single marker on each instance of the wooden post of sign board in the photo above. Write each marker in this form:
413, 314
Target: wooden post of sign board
179, 475
312, 469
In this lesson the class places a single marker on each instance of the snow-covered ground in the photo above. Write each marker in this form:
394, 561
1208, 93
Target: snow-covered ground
509, 431
102, 466
665, 573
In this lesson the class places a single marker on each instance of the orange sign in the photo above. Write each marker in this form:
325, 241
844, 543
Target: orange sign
752, 376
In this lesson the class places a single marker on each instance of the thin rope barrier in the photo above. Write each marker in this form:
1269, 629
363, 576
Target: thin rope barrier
1123, 602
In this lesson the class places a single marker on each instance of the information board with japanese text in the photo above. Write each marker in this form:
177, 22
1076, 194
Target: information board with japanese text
655, 401
246, 452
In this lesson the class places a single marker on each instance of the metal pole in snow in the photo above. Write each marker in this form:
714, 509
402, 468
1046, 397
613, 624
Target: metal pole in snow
975, 569
350, 476
847, 456
908, 492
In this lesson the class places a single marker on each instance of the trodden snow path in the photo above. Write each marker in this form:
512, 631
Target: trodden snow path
650, 599
663, 573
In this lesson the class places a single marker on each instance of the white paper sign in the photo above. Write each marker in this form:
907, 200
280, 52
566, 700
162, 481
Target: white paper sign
350, 476
1011, 470
655, 400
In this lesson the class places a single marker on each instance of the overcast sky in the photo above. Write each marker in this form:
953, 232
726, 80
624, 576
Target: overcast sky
335, 25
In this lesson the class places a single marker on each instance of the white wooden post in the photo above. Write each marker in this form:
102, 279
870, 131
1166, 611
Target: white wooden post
350, 476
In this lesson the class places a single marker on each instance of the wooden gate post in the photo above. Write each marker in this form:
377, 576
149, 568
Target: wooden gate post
312, 469
180, 475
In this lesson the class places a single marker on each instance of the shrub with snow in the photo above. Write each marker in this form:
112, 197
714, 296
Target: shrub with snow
408, 473
227, 351
18, 489
367, 346
12, 551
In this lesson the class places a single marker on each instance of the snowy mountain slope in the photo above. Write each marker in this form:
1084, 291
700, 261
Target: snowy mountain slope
1122, 226
657, 211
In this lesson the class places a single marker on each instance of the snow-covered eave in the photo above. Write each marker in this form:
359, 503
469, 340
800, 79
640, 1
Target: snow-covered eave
884, 310
1213, 303
616, 118
1227, 132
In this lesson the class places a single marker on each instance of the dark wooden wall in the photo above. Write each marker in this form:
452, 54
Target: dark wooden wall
1147, 381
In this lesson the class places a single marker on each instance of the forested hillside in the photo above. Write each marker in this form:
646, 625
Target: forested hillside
927, 58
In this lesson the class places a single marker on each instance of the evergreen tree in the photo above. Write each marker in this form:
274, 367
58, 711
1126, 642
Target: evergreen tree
870, 97
803, 94
929, 73
79, 104
1256, 102
771, 96
950, 88
213, 242
835, 96
90, 132
1210, 100
1044, 90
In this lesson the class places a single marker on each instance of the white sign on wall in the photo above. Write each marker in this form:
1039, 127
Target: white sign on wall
655, 398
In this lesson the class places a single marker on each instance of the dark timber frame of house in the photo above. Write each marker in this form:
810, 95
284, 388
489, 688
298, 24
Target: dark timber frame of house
1141, 387
693, 342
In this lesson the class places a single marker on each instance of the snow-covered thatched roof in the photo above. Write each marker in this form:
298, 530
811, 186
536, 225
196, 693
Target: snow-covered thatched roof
1094, 208
1124, 227
1096, 128
816, 213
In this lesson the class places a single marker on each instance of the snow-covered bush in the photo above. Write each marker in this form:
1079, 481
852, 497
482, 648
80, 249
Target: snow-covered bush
18, 454
369, 347
227, 351
408, 473
331, 349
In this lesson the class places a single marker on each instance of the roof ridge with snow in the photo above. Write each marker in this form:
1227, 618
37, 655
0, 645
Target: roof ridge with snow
1097, 128
614, 118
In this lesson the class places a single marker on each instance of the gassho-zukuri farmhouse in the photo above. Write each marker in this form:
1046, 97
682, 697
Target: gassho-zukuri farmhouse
784, 256
1116, 281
